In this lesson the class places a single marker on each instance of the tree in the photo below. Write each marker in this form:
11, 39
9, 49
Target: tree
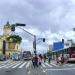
14, 39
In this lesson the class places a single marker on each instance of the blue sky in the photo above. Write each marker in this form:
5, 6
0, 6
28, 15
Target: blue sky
53, 19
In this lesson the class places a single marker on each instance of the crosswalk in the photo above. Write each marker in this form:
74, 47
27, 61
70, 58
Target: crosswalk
26, 64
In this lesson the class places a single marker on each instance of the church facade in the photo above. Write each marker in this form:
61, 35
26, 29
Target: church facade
10, 47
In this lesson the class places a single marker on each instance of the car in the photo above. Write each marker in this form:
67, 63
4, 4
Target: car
2, 57
15, 57
72, 59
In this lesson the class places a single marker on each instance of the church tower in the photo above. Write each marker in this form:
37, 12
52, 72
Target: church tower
7, 29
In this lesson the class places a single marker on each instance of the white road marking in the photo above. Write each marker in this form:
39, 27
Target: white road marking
9, 64
61, 69
5, 65
27, 65
22, 65
16, 65
48, 65
28, 72
2, 66
70, 64
43, 65
54, 64
13, 64
44, 70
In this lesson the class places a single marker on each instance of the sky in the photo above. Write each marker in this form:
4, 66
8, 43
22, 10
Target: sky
50, 19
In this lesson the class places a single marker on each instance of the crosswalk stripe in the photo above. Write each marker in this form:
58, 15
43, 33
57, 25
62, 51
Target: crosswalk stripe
28, 65
69, 65
2, 66
11, 65
54, 64
48, 65
16, 65
6, 65
43, 65
22, 65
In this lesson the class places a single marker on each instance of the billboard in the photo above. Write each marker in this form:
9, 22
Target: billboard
58, 45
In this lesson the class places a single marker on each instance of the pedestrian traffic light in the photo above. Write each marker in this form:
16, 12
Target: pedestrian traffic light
12, 27
43, 39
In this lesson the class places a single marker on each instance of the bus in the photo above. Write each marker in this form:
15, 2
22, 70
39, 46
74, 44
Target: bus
27, 55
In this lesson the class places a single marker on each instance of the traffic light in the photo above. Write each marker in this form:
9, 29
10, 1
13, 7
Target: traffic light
19, 24
12, 27
43, 39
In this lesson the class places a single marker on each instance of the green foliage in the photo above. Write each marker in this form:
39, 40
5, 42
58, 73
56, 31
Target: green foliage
14, 39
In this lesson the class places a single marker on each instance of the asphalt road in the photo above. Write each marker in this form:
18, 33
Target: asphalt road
26, 68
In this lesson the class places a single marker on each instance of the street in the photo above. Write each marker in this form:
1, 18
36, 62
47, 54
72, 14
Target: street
26, 68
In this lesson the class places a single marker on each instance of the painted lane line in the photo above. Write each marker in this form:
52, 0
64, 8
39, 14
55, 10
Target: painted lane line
16, 65
13, 64
43, 69
61, 69
27, 65
28, 72
5, 65
54, 64
48, 65
43, 65
22, 65
70, 64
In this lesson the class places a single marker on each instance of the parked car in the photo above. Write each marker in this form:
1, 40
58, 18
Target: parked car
15, 56
2, 57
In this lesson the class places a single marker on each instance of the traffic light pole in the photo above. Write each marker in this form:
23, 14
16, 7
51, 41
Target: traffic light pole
34, 45
34, 42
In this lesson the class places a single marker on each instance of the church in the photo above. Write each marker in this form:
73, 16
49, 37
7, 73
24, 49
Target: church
9, 47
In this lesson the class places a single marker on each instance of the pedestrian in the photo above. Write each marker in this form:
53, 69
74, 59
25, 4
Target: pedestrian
49, 59
33, 61
44, 58
36, 61
62, 60
40, 56
39, 60
59, 60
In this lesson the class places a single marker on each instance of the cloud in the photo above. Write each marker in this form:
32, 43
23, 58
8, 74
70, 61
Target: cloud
52, 19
